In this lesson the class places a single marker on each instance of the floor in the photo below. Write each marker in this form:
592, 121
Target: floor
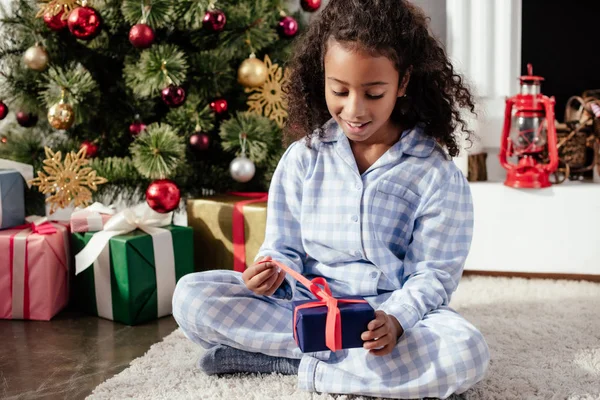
69, 356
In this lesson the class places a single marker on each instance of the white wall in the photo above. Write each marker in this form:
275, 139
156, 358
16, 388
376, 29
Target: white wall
484, 43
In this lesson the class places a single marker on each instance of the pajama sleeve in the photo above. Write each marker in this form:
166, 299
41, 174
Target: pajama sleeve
435, 258
283, 239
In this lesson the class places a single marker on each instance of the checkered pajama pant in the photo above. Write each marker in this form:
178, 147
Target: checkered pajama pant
442, 354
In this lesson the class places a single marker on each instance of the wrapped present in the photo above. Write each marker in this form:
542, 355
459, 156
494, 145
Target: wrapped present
92, 218
127, 272
327, 323
34, 273
228, 229
12, 199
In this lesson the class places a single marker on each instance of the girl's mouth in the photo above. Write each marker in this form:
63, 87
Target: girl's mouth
356, 127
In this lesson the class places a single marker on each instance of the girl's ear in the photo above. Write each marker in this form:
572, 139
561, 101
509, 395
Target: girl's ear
404, 84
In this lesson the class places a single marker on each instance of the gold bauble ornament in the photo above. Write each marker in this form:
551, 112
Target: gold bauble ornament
61, 115
36, 58
253, 72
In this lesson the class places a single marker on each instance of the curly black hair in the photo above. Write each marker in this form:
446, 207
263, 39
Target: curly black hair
398, 30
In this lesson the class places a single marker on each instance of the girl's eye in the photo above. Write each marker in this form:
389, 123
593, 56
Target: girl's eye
369, 96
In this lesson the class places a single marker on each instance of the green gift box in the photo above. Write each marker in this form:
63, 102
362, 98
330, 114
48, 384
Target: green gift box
122, 284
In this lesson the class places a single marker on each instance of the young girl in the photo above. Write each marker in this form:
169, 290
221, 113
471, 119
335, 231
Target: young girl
370, 200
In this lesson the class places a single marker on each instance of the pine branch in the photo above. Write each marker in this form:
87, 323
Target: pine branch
189, 14
187, 117
249, 28
157, 68
116, 170
25, 147
158, 14
211, 73
262, 134
158, 151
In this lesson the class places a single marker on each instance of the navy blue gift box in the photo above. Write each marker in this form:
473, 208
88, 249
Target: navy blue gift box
310, 324
12, 199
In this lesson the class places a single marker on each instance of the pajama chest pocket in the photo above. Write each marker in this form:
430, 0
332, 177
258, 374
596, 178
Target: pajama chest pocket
392, 211
399, 191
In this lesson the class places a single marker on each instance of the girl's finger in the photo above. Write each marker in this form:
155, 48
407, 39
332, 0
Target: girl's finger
380, 342
253, 270
278, 282
266, 285
378, 321
377, 333
258, 279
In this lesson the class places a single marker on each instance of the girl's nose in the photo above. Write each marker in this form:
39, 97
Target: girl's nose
354, 107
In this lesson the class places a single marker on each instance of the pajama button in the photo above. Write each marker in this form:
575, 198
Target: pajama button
357, 253
358, 186
354, 218
373, 274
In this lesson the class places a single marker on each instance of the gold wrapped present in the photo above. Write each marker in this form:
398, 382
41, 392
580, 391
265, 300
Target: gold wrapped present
212, 219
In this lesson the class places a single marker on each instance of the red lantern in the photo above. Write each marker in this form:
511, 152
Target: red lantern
528, 131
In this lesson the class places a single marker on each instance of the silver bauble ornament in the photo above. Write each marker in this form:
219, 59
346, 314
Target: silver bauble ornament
242, 169
36, 58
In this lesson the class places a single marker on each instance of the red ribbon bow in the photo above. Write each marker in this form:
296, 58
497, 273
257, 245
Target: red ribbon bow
238, 233
333, 324
45, 228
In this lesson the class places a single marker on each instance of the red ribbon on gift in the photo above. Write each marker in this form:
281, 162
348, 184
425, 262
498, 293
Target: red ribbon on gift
45, 228
333, 324
239, 234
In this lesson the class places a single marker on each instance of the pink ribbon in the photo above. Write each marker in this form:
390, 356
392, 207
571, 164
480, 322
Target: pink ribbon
333, 324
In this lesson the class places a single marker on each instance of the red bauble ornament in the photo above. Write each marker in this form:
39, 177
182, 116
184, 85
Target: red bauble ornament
141, 36
219, 106
3, 110
55, 22
173, 96
200, 141
91, 149
84, 23
163, 195
310, 5
3, 139
287, 27
136, 128
214, 20
26, 120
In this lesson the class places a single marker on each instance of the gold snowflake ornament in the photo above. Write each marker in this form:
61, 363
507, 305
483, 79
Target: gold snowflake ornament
268, 99
68, 180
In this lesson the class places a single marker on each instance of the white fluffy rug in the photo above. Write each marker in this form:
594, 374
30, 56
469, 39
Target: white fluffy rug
544, 338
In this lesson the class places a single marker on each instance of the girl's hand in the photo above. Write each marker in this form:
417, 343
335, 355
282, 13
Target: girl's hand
382, 335
263, 279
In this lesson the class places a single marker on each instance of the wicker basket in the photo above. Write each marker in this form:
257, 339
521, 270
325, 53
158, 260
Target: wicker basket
572, 146
573, 135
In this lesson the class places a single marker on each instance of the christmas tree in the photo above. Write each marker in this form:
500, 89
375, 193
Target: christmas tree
178, 95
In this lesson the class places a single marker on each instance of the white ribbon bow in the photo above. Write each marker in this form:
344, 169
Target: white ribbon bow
97, 253
139, 217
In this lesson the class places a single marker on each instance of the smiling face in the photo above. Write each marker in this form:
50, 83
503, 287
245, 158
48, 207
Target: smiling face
361, 92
